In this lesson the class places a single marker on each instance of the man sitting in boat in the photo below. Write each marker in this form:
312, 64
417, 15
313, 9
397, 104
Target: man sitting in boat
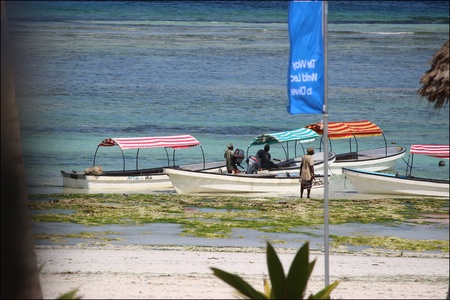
265, 158
230, 159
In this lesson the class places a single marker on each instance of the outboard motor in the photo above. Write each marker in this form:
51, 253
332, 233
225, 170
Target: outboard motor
253, 165
238, 157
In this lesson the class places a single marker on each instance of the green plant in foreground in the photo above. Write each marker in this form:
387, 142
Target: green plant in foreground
291, 287
70, 295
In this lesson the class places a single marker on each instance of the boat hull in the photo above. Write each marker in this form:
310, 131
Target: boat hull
366, 182
191, 182
369, 160
102, 182
151, 179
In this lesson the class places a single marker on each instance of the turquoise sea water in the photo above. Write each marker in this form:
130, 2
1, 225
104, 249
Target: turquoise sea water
214, 69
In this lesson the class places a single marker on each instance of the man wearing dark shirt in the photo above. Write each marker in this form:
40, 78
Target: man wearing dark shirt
265, 158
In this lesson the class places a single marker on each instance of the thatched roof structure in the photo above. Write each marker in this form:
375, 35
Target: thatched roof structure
435, 80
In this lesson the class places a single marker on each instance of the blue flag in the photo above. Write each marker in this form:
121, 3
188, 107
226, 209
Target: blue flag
306, 80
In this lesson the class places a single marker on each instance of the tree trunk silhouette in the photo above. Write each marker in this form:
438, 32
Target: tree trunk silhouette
19, 271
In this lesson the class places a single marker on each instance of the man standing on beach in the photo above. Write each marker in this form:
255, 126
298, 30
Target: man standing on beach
307, 172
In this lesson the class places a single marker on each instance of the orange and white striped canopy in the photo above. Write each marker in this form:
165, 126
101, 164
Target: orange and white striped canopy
174, 141
342, 130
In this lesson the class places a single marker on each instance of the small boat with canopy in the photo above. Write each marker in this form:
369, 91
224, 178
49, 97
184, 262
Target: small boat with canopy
367, 182
96, 178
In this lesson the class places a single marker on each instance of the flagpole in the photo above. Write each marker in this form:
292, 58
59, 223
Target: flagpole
308, 47
325, 138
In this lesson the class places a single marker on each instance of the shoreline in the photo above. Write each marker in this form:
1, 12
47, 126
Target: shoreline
238, 249
181, 272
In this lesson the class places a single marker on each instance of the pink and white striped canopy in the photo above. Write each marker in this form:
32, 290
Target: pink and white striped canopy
174, 141
440, 151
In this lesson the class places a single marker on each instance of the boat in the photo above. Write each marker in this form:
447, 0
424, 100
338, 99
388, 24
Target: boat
297, 137
369, 182
95, 178
375, 159
199, 182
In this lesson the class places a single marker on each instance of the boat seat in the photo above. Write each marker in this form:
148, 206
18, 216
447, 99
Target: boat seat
347, 156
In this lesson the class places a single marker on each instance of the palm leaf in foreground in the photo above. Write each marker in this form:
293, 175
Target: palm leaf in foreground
239, 284
325, 292
70, 295
276, 274
291, 287
299, 274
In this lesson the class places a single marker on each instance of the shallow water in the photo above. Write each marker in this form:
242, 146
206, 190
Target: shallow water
169, 235
217, 70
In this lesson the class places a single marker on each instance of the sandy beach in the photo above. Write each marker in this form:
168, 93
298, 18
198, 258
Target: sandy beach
152, 272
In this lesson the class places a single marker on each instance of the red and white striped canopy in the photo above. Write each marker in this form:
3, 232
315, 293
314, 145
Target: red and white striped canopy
174, 141
440, 151
342, 130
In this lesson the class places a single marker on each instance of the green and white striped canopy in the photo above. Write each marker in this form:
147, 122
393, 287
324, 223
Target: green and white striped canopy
302, 135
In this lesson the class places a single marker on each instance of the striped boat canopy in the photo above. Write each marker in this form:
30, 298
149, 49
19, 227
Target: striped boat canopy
440, 151
174, 141
302, 135
342, 130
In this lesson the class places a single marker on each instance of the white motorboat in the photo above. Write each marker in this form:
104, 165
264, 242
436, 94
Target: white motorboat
376, 159
96, 178
199, 182
367, 182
